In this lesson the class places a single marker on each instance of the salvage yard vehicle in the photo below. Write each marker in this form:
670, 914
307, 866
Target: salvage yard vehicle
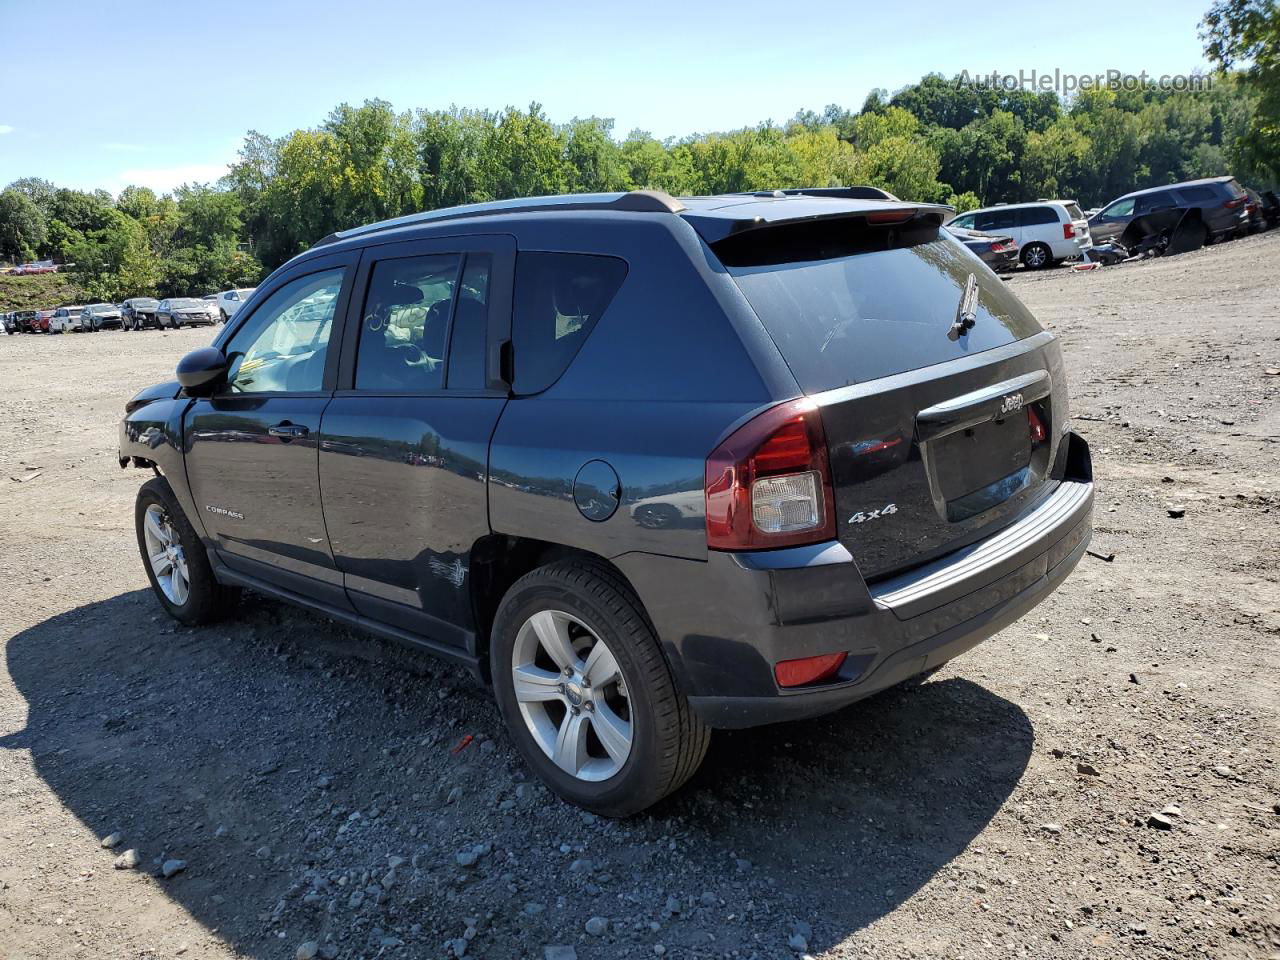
102, 316
1221, 205
230, 301
137, 313
68, 320
998, 253
1046, 232
26, 321
458, 430
186, 312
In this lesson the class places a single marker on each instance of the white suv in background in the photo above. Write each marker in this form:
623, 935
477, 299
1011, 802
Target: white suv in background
229, 301
1046, 231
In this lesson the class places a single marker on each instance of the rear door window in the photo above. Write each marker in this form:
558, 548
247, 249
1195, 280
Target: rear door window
846, 305
405, 323
995, 220
559, 298
1149, 202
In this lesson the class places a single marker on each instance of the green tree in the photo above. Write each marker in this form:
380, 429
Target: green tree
22, 226
1248, 31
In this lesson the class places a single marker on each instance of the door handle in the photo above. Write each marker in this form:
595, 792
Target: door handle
287, 431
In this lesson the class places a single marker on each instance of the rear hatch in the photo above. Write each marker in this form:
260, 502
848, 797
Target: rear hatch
936, 437
1080, 224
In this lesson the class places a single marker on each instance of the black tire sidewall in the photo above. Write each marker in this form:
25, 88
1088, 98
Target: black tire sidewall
637, 776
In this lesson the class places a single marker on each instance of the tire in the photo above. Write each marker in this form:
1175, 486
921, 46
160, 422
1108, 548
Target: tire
174, 324
1036, 256
204, 600
225, 318
666, 739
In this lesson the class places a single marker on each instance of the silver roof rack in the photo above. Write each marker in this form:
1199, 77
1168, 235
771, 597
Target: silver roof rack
635, 201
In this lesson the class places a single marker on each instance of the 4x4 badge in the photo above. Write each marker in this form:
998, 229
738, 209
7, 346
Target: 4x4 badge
862, 516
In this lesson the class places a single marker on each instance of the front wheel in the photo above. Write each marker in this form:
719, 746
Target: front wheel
175, 559
586, 693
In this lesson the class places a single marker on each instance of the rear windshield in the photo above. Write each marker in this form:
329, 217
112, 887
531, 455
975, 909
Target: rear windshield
1074, 212
847, 304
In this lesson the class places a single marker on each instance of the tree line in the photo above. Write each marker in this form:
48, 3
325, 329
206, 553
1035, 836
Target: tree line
938, 140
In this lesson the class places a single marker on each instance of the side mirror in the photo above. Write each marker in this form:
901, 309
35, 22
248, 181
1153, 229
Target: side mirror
200, 371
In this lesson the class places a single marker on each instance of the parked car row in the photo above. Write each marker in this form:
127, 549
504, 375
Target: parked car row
1045, 232
136, 313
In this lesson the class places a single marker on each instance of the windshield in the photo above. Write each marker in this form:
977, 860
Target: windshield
849, 319
102, 307
185, 303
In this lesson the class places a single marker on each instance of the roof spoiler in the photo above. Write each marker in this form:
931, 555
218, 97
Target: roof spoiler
853, 192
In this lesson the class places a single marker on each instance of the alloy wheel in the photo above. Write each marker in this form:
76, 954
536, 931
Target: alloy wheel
164, 552
572, 695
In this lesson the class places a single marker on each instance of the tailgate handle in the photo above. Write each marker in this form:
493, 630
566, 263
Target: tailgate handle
989, 403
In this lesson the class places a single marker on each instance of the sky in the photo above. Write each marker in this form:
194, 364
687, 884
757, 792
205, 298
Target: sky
157, 94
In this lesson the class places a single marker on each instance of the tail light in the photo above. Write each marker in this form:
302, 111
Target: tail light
1068, 231
769, 483
1038, 432
1234, 204
1001, 246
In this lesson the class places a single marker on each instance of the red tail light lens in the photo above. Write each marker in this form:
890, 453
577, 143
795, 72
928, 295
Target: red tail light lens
1037, 426
769, 483
799, 673
1068, 231
1233, 204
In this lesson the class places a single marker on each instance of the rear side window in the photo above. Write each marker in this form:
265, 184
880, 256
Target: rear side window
1197, 194
469, 333
847, 304
1034, 216
559, 297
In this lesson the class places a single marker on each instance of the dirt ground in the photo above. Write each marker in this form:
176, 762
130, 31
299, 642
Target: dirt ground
312, 784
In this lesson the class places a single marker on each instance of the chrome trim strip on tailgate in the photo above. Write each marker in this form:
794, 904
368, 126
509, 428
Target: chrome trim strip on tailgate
971, 568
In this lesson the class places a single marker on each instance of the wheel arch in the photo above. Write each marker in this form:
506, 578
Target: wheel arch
499, 560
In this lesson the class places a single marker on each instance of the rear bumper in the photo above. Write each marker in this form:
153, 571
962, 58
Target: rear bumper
726, 625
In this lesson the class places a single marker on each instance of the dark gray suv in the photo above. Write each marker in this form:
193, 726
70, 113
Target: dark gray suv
645, 466
1220, 202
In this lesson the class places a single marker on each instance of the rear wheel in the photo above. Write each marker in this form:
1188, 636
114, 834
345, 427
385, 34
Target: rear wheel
175, 559
1036, 256
586, 692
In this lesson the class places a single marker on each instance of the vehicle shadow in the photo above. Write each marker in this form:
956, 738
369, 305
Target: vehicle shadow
287, 761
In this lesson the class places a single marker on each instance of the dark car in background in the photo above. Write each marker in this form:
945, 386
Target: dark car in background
1220, 203
137, 313
26, 321
186, 312
998, 253
644, 466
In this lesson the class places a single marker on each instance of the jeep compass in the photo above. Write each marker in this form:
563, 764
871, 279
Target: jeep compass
645, 466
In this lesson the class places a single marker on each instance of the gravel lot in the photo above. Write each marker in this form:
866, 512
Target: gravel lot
312, 781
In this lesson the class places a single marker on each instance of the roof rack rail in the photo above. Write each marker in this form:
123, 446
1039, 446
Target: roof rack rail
634, 201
